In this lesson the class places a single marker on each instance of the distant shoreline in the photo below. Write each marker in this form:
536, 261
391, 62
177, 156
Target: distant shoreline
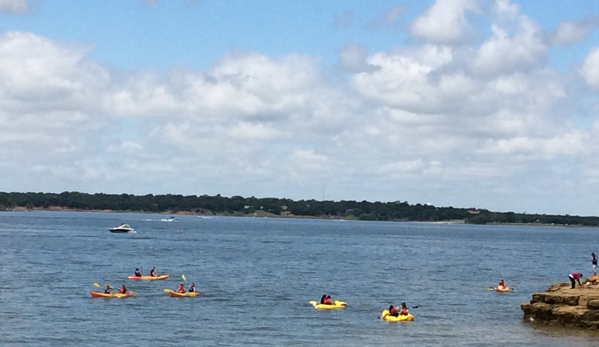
263, 214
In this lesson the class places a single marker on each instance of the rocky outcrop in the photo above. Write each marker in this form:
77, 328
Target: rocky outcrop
562, 305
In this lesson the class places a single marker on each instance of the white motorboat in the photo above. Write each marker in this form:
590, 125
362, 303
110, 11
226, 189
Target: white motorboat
172, 219
123, 228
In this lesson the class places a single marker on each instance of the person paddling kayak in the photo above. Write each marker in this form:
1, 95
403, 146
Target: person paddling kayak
122, 289
181, 288
192, 288
137, 272
404, 310
153, 272
575, 277
393, 311
327, 300
501, 285
107, 290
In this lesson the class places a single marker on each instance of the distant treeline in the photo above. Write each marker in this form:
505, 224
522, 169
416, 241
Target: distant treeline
237, 205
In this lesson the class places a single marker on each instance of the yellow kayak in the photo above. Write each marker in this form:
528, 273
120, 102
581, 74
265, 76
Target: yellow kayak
336, 305
180, 295
386, 317
112, 295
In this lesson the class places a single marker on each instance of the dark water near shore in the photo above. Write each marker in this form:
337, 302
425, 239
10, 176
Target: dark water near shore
256, 276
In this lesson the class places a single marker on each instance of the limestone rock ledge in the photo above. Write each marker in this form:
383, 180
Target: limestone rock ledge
562, 305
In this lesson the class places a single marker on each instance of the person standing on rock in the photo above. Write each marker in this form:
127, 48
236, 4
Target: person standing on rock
594, 261
575, 277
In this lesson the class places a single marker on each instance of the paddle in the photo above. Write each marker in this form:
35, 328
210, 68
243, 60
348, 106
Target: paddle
166, 290
184, 278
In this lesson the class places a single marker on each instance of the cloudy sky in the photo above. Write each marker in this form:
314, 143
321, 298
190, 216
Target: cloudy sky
466, 103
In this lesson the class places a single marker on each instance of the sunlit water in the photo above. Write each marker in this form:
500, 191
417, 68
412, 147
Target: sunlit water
256, 276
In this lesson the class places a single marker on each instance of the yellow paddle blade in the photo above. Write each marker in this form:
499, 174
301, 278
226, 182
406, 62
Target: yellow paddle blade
166, 290
96, 285
184, 279
133, 293
312, 302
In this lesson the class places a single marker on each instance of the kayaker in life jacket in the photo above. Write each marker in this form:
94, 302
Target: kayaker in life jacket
404, 310
393, 311
328, 301
501, 285
122, 289
181, 288
323, 299
137, 272
153, 272
192, 288
107, 290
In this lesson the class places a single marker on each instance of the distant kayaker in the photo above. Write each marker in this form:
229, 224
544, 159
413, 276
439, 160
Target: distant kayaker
501, 285
393, 311
575, 277
107, 290
153, 272
323, 299
137, 272
181, 288
192, 288
327, 300
122, 289
594, 262
404, 310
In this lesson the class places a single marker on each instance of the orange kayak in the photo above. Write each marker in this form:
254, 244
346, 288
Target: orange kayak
148, 278
181, 295
502, 289
113, 295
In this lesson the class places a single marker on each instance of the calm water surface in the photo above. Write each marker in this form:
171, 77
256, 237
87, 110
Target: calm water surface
256, 276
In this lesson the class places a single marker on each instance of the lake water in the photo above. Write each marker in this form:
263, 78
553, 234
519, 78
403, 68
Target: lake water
256, 276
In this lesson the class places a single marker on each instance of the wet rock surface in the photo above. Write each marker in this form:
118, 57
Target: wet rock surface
562, 305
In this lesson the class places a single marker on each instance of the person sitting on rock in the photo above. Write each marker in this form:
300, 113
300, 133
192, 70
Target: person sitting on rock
575, 277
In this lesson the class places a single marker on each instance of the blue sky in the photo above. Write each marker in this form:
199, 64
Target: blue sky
465, 103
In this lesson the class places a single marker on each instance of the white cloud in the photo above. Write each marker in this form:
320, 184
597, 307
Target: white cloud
14, 7
388, 18
590, 69
571, 32
445, 22
353, 58
503, 53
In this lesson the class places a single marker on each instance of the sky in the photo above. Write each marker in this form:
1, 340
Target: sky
467, 103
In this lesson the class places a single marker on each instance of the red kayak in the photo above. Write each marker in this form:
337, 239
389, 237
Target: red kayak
148, 278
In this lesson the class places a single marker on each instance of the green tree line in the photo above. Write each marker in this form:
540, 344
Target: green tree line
238, 205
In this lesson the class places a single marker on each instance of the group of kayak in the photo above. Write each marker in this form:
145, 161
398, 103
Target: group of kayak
389, 315
122, 292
